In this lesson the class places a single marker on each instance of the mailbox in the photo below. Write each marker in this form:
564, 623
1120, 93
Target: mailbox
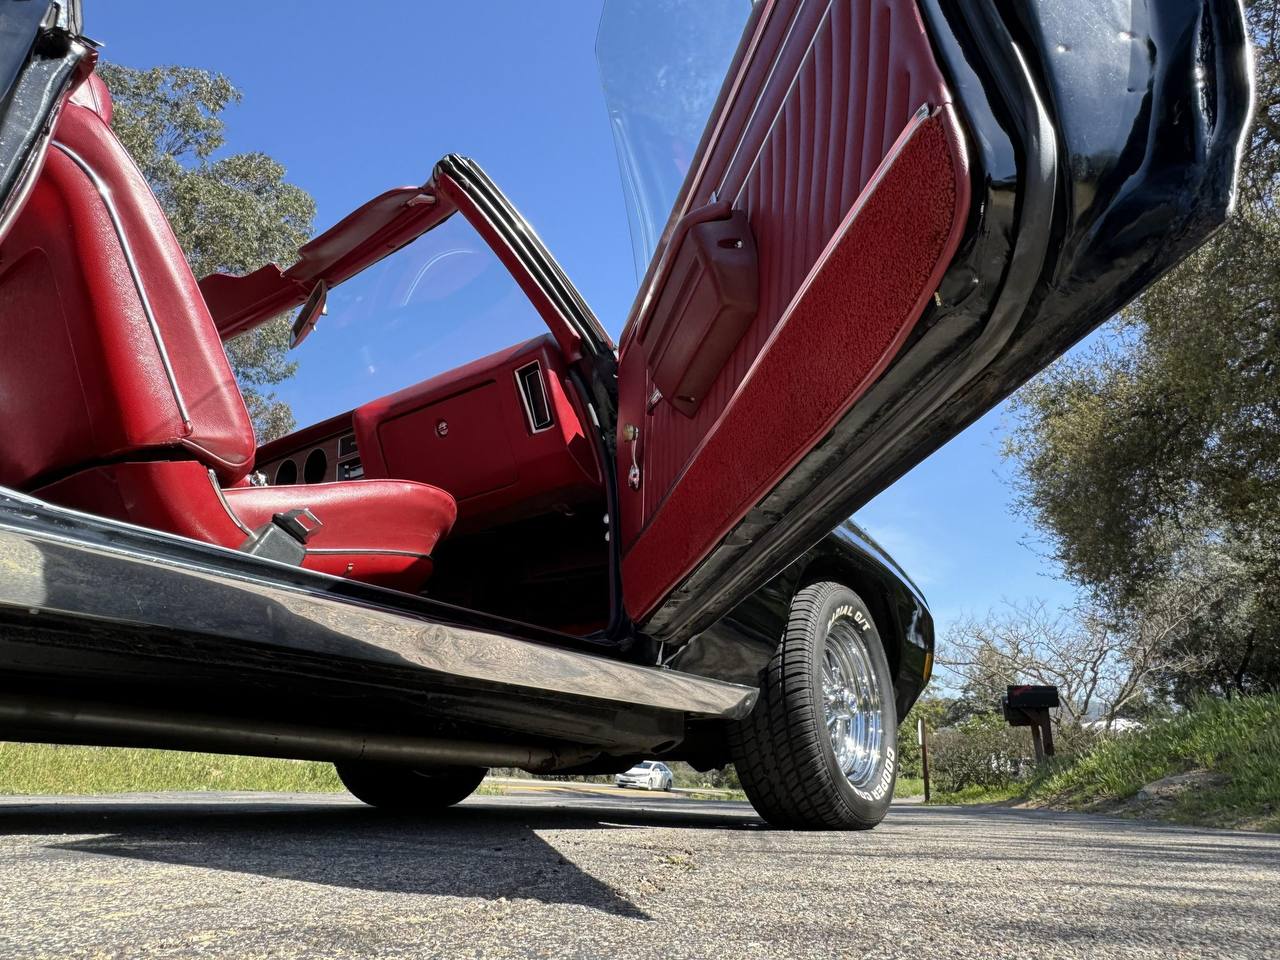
1031, 697
1028, 705
1027, 697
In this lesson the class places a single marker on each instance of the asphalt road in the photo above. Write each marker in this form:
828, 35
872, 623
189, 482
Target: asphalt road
610, 874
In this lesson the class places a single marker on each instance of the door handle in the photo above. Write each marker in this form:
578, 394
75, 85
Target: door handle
631, 434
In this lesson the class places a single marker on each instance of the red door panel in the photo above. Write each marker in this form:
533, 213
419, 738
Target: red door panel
840, 146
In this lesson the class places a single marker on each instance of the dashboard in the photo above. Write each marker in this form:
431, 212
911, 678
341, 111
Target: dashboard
504, 435
323, 453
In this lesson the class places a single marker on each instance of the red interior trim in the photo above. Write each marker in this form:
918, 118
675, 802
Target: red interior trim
841, 330
356, 242
362, 238
487, 457
376, 531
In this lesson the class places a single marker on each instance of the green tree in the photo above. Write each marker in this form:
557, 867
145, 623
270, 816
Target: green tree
1152, 460
935, 712
230, 213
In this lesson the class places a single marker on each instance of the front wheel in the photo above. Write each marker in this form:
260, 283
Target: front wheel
402, 789
819, 749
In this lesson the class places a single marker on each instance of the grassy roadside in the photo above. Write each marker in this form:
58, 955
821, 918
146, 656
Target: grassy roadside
38, 769
34, 769
907, 787
1217, 765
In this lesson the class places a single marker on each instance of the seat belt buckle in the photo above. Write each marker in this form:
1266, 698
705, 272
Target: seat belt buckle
299, 524
285, 537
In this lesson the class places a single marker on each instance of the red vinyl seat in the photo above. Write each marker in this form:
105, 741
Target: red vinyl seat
116, 395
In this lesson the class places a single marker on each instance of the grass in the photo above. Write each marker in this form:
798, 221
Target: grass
40, 769
909, 787
37, 768
44, 769
1234, 745
975, 794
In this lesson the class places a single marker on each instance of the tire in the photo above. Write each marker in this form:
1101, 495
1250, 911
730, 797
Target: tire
783, 751
409, 789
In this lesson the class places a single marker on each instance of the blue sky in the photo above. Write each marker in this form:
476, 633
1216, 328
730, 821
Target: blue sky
356, 98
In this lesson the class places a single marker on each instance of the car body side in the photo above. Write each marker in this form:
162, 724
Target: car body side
737, 647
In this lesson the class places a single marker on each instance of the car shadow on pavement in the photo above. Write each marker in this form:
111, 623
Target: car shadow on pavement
475, 850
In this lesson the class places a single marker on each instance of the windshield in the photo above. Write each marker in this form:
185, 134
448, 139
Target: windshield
662, 63
442, 301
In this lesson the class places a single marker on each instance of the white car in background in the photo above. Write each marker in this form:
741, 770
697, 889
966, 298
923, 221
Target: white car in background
647, 774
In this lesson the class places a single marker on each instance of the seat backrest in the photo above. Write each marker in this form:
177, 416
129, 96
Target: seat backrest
107, 350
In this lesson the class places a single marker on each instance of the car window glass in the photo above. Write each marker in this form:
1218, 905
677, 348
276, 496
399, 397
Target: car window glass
662, 63
441, 301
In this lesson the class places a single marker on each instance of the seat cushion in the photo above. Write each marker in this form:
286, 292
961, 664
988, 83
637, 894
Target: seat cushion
376, 531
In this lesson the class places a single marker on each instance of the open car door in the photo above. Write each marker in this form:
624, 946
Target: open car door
898, 212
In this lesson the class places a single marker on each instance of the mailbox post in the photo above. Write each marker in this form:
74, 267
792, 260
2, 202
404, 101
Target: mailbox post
1028, 706
922, 735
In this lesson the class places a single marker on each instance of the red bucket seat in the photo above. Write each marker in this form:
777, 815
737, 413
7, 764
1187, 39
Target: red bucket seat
116, 396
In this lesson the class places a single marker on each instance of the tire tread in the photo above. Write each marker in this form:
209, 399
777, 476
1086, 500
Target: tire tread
777, 749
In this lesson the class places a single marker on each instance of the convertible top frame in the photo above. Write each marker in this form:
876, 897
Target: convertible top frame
395, 219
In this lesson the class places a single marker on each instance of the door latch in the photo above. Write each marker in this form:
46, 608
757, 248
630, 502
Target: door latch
631, 434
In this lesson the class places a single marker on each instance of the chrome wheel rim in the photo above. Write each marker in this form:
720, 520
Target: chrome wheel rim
852, 704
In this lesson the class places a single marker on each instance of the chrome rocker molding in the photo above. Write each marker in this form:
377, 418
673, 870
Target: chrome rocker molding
92, 609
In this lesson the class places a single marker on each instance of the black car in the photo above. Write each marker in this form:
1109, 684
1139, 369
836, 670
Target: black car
572, 554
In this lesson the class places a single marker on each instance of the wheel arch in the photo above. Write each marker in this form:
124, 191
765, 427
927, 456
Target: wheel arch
738, 647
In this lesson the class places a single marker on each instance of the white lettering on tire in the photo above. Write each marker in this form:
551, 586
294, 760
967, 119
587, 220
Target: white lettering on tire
851, 613
885, 784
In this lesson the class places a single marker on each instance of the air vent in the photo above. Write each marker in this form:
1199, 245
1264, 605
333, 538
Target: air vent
533, 393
